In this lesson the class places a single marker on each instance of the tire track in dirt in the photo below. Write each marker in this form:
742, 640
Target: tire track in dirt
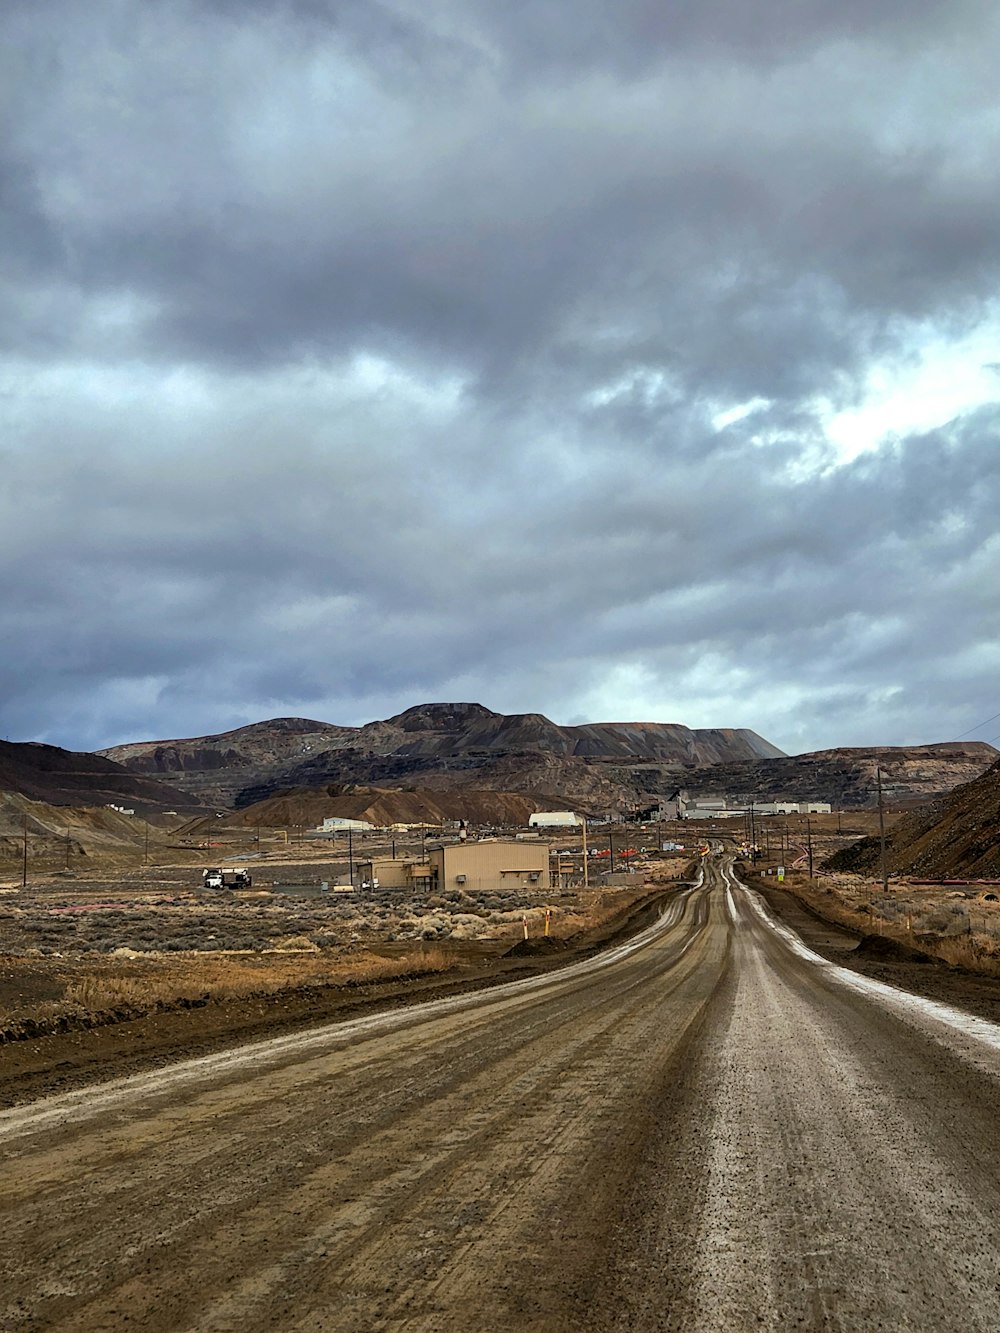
708, 1130
414, 1153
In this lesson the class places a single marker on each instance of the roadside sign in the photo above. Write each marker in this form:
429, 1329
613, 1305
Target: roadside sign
781, 874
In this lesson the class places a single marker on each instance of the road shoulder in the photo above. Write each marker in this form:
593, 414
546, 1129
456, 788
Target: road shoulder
935, 980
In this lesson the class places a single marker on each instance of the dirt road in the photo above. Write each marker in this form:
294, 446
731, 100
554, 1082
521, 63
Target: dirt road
705, 1128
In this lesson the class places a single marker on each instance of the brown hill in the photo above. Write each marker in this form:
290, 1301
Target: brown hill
436, 745
216, 767
65, 777
597, 767
957, 836
307, 807
58, 835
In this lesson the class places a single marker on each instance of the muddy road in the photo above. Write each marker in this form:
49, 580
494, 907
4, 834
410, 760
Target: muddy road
707, 1127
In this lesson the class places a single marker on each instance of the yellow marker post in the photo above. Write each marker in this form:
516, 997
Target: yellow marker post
548, 918
524, 923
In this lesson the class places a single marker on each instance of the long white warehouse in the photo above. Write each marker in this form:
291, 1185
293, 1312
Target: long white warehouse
554, 819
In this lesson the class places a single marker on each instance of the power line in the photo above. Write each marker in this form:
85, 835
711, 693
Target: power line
977, 726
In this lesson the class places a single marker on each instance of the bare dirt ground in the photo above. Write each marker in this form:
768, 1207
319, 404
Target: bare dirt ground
701, 1128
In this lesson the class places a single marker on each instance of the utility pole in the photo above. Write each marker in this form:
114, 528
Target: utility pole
24, 854
145, 846
611, 852
809, 844
881, 829
350, 854
586, 868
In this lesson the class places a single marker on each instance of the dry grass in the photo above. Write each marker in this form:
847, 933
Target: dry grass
226, 979
102, 955
852, 902
565, 922
975, 952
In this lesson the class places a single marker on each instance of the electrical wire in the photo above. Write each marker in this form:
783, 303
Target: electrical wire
977, 726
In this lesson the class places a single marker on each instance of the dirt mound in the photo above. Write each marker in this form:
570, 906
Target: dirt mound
533, 948
307, 807
58, 832
881, 946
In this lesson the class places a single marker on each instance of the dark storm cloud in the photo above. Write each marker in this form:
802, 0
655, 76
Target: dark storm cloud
405, 348
335, 230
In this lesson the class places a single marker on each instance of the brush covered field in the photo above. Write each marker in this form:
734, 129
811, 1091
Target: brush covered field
118, 944
955, 924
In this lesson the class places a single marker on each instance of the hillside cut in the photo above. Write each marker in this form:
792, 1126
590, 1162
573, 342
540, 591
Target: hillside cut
956, 836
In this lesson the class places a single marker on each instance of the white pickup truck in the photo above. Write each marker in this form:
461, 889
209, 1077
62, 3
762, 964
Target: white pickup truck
226, 877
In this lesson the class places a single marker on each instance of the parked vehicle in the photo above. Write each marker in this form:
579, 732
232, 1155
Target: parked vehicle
226, 877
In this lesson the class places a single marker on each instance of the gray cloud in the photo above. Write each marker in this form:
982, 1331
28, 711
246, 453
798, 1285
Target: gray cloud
354, 355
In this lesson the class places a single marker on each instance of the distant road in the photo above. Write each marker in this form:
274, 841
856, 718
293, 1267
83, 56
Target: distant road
706, 1128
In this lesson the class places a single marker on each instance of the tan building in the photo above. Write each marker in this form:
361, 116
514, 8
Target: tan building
392, 874
488, 865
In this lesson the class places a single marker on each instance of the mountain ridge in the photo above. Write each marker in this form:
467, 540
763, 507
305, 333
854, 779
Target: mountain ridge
597, 766
437, 740
69, 777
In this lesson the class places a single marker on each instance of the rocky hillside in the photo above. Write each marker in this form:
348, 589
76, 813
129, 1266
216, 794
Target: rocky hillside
64, 777
957, 836
911, 774
216, 767
437, 746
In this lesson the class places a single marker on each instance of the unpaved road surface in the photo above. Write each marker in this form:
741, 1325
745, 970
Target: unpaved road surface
705, 1128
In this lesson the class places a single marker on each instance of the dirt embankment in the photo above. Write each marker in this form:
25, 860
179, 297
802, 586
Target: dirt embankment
42, 1057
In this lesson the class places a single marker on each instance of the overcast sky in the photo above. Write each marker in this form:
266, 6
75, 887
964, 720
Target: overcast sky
617, 361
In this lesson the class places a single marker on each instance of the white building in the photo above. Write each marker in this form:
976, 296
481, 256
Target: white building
554, 819
335, 824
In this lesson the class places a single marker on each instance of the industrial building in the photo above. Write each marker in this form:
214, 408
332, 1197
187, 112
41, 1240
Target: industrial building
554, 819
335, 824
490, 865
683, 806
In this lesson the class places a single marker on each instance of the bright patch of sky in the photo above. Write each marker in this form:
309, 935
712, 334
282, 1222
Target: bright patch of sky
740, 412
939, 381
